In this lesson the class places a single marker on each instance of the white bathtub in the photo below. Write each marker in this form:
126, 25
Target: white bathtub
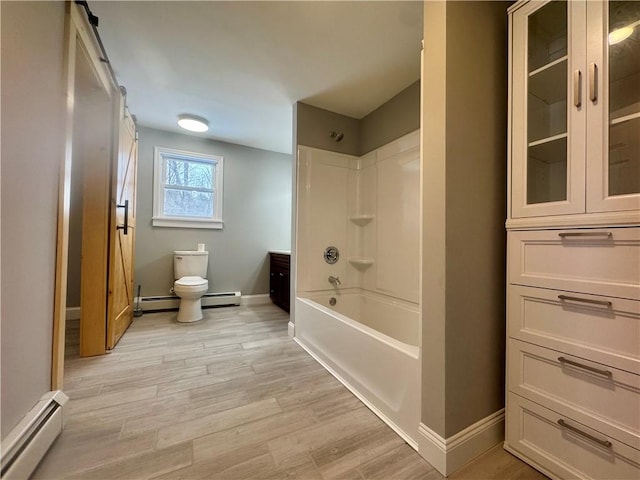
370, 344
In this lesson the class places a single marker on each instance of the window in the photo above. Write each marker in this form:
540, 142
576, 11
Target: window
187, 189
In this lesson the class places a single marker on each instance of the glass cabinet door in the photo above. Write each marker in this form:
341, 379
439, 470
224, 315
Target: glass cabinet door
614, 154
547, 104
546, 122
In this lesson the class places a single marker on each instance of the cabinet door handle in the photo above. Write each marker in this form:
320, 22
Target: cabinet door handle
606, 373
577, 88
585, 234
593, 82
604, 443
606, 303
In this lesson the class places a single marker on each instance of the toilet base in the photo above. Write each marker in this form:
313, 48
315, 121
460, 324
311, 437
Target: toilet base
190, 310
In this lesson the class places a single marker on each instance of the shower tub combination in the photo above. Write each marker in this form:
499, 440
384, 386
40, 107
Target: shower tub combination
370, 343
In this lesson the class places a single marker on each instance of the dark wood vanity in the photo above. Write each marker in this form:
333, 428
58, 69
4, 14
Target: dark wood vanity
279, 279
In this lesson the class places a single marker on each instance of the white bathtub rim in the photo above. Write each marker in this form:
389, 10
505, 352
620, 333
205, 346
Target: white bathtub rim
410, 441
406, 304
411, 350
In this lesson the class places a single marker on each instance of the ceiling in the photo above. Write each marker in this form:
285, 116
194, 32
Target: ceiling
242, 65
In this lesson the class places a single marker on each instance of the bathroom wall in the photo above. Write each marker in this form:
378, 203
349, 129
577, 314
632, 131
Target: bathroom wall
31, 138
393, 119
464, 208
314, 125
396, 117
256, 211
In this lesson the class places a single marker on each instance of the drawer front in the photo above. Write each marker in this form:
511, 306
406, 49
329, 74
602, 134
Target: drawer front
605, 398
608, 334
534, 433
599, 262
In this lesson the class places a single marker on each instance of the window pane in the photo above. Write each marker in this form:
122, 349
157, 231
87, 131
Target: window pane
187, 203
189, 173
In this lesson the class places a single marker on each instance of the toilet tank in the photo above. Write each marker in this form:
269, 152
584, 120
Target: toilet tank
188, 263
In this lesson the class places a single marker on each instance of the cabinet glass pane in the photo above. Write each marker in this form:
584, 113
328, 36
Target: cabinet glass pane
547, 91
547, 172
547, 102
547, 34
624, 97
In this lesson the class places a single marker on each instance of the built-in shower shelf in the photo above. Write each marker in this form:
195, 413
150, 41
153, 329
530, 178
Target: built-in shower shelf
361, 262
361, 220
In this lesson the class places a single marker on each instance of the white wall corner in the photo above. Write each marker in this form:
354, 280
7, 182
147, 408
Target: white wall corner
292, 329
260, 299
449, 455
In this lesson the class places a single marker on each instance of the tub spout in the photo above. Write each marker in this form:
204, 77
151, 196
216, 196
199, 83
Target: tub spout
335, 281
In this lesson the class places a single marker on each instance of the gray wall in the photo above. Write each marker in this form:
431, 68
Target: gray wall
391, 120
396, 117
314, 124
464, 205
32, 108
256, 214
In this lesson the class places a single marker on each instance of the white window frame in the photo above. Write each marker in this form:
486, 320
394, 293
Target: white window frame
159, 165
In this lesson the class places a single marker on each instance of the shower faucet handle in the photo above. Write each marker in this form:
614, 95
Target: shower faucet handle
335, 281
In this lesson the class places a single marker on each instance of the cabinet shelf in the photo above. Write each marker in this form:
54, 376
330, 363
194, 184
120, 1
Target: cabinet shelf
361, 262
361, 220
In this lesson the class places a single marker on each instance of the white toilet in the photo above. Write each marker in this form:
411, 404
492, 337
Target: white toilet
190, 273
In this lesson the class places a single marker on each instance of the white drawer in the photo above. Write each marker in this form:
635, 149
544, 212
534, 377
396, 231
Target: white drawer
605, 398
599, 262
608, 334
534, 434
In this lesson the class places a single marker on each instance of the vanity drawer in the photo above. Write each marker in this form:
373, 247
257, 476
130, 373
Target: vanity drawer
600, 396
607, 331
533, 432
594, 261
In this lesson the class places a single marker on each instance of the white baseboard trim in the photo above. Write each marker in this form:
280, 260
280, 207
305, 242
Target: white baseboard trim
73, 313
291, 329
259, 299
172, 302
448, 455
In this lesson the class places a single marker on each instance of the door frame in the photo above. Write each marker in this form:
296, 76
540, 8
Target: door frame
78, 35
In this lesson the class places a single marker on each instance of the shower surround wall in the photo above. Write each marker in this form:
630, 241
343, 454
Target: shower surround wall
367, 207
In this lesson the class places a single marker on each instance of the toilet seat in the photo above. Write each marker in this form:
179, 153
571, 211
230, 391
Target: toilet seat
191, 282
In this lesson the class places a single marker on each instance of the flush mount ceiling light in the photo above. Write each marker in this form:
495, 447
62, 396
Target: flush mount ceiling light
193, 123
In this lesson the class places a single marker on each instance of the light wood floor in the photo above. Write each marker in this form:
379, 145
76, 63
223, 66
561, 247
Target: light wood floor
229, 397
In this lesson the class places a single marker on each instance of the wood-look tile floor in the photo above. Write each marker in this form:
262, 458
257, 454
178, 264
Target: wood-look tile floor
229, 397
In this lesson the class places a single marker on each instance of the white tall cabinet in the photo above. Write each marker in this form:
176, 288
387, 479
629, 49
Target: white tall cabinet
573, 235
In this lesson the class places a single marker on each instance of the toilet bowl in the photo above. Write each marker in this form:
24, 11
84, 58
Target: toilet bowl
190, 270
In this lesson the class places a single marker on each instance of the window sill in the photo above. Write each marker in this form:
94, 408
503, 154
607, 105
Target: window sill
187, 223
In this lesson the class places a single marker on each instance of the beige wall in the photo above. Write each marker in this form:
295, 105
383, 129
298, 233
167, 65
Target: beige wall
256, 213
313, 126
32, 109
464, 207
397, 117
391, 120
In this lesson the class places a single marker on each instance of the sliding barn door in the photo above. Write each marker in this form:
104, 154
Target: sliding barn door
122, 231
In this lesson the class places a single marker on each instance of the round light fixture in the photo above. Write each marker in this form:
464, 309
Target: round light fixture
193, 123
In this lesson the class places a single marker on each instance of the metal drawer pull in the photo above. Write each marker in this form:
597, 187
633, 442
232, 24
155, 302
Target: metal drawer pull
606, 303
577, 88
585, 234
604, 443
593, 82
606, 373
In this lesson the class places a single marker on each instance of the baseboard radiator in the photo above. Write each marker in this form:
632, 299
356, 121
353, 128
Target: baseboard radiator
28, 442
170, 302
